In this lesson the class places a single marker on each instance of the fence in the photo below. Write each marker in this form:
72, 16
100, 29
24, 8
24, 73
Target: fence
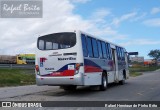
17, 66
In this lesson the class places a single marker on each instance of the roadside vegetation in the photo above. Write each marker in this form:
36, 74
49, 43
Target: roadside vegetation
138, 70
16, 77
19, 77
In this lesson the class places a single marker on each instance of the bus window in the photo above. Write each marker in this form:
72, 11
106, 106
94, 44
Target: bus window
48, 45
104, 50
118, 53
123, 55
108, 54
84, 45
95, 49
100, 49
41, 44
89, 46
55, 45
109, 51
62, 41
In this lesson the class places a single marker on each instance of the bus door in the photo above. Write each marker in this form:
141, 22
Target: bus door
115, 60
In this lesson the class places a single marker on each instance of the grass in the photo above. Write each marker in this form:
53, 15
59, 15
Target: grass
16, 77
134, 74
136, 71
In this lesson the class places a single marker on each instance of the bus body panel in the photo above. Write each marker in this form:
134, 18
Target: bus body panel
58, 67
93, 69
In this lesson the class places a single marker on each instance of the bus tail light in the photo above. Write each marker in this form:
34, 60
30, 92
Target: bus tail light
77, 66
37, 69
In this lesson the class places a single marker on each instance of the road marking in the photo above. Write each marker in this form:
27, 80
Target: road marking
139, 94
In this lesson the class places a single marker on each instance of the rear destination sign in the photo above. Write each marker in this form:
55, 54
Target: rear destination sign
70, 58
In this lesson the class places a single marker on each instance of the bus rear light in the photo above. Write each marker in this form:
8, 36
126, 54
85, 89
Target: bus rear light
37, 68
77, 66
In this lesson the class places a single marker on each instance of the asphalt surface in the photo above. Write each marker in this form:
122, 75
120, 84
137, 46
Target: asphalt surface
142, 88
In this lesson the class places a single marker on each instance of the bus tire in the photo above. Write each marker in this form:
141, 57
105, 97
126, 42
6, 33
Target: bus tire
69, 88
104, 83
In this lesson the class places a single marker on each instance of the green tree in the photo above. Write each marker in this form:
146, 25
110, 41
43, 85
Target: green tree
155, 54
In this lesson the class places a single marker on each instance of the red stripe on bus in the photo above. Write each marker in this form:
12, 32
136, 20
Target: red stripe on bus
89, 69
64, 73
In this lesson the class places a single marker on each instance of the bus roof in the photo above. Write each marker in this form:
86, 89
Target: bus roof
112, 44
99, 38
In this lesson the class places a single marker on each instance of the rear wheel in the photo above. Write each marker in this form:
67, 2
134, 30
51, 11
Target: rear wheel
104, 83
69, 88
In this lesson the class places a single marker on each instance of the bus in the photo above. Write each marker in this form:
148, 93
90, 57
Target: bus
75, 58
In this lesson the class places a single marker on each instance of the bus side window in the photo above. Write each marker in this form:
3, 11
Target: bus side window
49, 45
84, 45
95, 48
123, 55
41, 44
89, 47
109, 51
100, 49
118, 53
104, 50
55, 45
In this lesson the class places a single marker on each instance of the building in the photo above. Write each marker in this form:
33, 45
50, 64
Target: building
149, 62
137, 59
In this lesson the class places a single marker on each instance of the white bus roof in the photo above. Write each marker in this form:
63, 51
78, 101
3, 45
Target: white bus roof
100, 39
112, 44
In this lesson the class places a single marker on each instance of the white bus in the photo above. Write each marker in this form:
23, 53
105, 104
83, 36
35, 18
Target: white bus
71, 59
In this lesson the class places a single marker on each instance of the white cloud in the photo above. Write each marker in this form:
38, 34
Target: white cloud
155, 22
155, 10
80, 1
99, 15
20, 35
102, 12
139, 17
140, 42
117, 21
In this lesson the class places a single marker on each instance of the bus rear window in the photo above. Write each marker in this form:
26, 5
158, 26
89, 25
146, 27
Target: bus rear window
57, 41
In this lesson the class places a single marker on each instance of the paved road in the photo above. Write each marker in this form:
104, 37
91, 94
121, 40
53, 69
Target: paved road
142, 88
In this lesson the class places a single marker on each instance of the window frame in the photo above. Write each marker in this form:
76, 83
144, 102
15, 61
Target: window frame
48, 37
104, 49
93, 48
99, 43
85, 38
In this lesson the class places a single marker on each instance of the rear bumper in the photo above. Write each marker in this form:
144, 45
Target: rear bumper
58, 81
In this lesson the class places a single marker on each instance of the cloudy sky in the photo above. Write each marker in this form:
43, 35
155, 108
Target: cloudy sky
134, 24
